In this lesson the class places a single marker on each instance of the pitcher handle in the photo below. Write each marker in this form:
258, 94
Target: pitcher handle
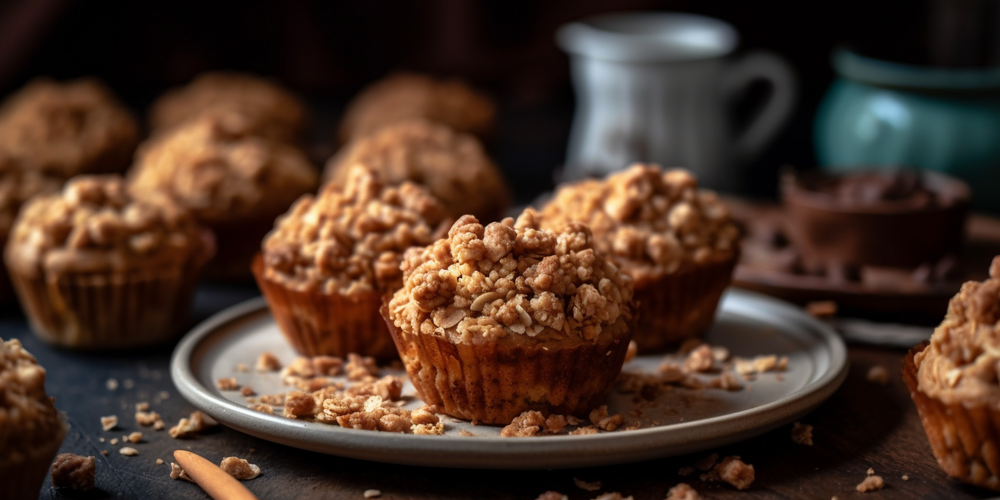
764, 126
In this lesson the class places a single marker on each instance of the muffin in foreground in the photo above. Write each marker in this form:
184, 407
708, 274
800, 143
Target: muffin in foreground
491, 322
68, 128
96, 268
329, 260
677, 242
406, 96
30, 428
270, 109
953, 381
452, 165
233, 181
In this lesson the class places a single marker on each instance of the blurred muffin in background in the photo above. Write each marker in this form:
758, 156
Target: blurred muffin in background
452, 165
31, 430
676, 241
404, 96
269, 109
97, 268
231, 179
67, 128
332, 257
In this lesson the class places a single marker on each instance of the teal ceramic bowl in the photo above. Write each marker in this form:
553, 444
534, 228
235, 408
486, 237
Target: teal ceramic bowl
880, 113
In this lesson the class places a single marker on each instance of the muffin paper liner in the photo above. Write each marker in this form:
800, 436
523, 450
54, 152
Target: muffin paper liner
107, 311
334, 325
493, 382
674, 307
966, 441
23, 480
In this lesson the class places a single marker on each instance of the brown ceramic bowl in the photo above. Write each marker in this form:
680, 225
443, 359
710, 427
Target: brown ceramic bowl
904, 229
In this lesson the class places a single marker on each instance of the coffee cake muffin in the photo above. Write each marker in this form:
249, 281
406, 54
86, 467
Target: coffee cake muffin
270, 109
329, 260
31, 430
497, 320
452, 165
953, 381
405, 96
96, 268
67, 128
676, 241
232, 180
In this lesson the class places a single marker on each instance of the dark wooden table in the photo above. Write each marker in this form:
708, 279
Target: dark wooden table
863, 425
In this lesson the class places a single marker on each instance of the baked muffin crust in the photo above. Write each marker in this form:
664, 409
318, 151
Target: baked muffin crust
510, 279
94, 225
405, 96
648, 221
218, 168
270, 109
28, 419
68, 128
452, 165
351, 237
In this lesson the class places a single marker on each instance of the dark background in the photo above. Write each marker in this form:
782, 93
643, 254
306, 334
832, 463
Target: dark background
326, 51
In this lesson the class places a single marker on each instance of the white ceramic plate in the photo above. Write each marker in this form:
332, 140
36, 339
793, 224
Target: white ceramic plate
680, 422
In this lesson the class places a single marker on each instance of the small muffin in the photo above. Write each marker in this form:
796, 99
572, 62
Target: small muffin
233, 181
491, 322
70, 128
405, 96
953, 381
331, 258
676, 241
96, 268
451, 164
270, 109
31, 430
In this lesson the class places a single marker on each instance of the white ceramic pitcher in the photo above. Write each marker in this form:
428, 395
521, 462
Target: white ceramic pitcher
659, 87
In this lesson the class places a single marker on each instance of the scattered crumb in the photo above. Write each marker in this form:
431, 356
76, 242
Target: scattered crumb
100, 439
73, 472
272, 399
823, 309
268, 362
242, 368
159, 425
111, 384
687, 470
699, 360
247, 391
465, 433
239, 468
104, 452
802, 434
878, 374
633, 350
135, 437
227, 384
113, 441
683, 491
599, 417
109, 422
262, 408
583, 431
147, 418
871, 483
533, 423
128, 451
142, 406
707, 462
176, 472
670, 372
733, 471
584, 485
372, 493
159, 461
187, 427
720, 354
359, 368
871, 471
905, 477
552, 495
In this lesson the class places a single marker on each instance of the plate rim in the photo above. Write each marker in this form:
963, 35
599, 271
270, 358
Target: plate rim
536, 452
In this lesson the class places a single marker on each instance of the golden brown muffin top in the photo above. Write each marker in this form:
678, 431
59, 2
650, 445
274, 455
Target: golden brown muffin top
510, 279
649, 221
95, 225
215, 166
405, 96
28, 419
68, 128
351, 238
270, 109
452, 165
962, 361
17, 185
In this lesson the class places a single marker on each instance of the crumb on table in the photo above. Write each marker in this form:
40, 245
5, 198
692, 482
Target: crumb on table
239, 468
871, 483
802, 434
73, 472
733, 471
878, 374
588, 486
227, 384
683, 491
128, 451
109, 422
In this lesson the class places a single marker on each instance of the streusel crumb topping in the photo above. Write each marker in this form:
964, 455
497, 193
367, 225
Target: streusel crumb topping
452, 165
28, 420
219, 168
350, 239
962, 362
649, 221
95, 224
511, 278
